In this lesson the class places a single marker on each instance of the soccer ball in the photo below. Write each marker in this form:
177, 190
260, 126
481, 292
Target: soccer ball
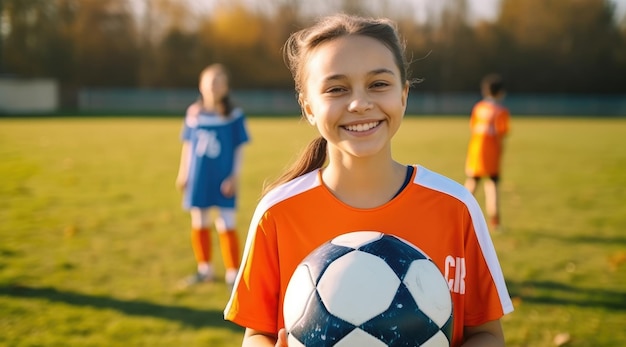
367, 288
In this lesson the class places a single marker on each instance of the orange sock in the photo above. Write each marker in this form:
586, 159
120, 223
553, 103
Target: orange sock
229, 245
494, 221
201, 243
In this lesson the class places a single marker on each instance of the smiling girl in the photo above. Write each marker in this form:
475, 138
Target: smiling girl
351, 78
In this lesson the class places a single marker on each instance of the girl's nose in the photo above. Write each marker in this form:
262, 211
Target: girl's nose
360, 103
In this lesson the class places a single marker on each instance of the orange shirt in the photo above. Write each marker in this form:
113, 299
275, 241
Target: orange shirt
489, 123
433, 212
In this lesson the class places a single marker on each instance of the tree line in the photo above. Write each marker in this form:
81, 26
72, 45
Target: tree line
558, 46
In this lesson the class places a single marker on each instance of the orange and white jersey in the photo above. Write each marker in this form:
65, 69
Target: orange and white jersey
433, 212
489, 123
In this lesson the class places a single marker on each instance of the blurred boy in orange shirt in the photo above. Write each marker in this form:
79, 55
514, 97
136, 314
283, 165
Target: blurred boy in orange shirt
489, 124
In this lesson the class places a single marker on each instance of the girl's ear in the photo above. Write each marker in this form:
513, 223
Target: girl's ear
405, 93
306, 109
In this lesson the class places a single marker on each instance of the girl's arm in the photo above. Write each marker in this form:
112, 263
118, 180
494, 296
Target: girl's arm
238, 160
183, 168
489, 334
256, 338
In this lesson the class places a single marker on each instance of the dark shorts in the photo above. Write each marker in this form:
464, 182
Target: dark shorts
494, 178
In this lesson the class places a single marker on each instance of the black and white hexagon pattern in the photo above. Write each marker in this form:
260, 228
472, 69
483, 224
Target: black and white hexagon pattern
368, 289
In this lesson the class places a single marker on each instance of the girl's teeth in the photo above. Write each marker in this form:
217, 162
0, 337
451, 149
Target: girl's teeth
362, 127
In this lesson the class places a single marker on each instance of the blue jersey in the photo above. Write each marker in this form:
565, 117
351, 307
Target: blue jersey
213, 140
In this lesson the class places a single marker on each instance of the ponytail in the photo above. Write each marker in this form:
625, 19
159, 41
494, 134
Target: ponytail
227, 105
313, 157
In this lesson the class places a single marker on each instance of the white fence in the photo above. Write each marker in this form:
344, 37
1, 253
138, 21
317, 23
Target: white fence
28, 96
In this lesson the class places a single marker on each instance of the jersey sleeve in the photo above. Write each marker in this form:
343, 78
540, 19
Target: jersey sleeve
185, 133
472, 120
254, 300
487, 297
192, 111
240, 135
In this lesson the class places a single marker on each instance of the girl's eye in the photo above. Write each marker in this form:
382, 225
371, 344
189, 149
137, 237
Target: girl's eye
379, 84
334, 90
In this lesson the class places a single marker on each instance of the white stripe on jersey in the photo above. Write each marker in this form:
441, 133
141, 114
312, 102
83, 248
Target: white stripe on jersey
435, 181
281, 193
210, 119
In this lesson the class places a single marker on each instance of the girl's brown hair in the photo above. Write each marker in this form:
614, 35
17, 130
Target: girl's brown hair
296, 51
492, 84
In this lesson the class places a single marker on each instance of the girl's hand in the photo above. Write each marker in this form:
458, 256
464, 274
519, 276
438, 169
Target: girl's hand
282, 338
229, 186
181, 183
257, 338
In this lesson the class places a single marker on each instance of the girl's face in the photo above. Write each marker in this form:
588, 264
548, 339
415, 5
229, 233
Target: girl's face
354, 95
213, 85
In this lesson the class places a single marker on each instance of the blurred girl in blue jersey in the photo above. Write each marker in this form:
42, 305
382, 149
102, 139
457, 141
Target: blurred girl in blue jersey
213, 135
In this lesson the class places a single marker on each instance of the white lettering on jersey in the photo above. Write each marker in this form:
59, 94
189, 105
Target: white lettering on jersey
455, 267
208, 144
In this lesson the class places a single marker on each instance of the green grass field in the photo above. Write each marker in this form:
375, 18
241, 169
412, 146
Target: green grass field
93, 238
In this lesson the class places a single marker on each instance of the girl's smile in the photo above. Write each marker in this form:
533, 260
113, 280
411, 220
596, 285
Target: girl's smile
361, 127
